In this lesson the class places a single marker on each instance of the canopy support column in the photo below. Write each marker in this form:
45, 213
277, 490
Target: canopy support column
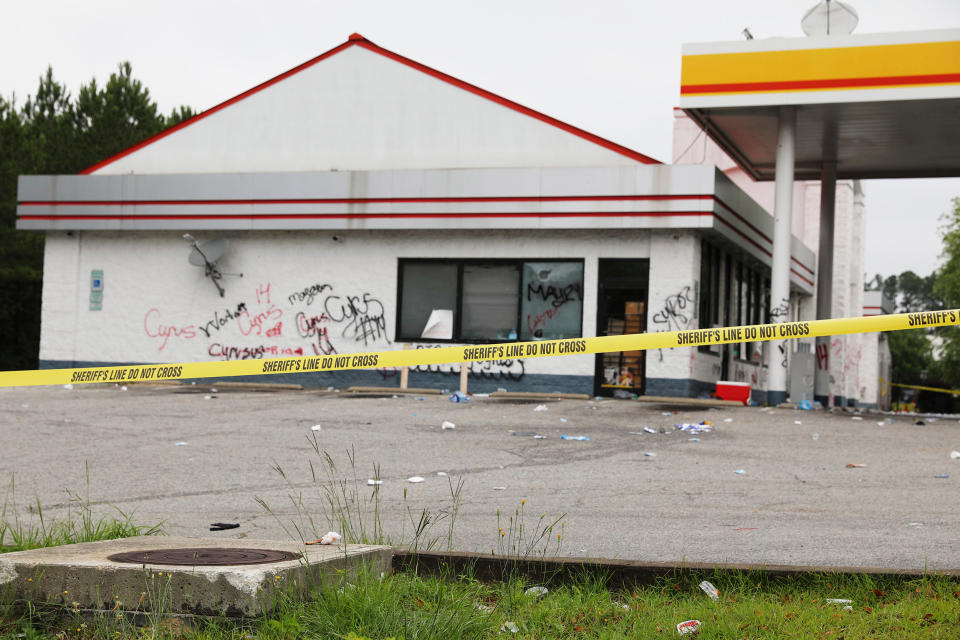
828, 201
782, 236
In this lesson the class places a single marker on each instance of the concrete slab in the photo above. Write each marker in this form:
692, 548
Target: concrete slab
81, 577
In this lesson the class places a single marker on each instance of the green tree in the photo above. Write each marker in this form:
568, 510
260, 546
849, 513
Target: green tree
53, 134
947, 286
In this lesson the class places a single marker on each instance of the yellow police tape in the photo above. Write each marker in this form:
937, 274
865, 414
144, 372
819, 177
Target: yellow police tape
473, 353
921, 388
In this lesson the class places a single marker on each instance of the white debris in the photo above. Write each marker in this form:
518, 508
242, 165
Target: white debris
710, 590
441, 473
372, 483
728, 419
536, 591
541, 407
332, 537
499, 488
123, 388
316, 427
954, 455
447, 425
839, 601
509, 626
181, 444
415, 479
68, 386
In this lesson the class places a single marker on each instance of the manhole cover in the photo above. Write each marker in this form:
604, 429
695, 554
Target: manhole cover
204, 557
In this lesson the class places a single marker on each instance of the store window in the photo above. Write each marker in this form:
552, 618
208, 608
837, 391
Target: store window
490, 300
733, 292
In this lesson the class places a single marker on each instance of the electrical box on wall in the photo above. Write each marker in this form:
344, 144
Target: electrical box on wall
96, 289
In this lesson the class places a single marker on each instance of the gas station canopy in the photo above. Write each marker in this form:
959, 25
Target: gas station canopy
878, 105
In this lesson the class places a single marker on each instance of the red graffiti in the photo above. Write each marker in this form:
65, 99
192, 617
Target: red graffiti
249, 323
534, 322
156, 329
226, 352
823, 357
263, 294
276, 331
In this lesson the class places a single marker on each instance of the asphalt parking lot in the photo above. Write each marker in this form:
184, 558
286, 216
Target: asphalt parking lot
190, 457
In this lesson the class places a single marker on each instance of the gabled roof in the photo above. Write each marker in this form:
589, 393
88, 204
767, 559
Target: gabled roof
358, 41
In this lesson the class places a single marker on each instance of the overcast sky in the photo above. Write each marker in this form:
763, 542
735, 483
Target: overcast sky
611, 67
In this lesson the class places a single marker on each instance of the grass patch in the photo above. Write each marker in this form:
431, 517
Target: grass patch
405, 605
78, 524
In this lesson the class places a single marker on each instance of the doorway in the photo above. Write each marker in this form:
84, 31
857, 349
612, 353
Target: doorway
621, 309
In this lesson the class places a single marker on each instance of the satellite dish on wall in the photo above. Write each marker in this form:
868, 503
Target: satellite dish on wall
206, 255
830, 18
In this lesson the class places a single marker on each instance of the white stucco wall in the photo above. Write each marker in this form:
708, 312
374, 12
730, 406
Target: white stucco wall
672, 300
159, 308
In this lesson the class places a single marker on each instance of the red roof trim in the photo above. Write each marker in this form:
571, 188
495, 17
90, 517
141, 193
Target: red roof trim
827, 83
271, 201
352, 216
357, 39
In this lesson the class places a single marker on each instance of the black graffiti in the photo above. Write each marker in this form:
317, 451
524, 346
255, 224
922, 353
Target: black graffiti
218, 321
323, 346
556, 296
782, 310
226, 352
364, 317
505, 369
673, 315
307, 326
308, 294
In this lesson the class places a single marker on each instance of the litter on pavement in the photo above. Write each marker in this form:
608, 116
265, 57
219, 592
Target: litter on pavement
574, 437
540, 407
740, 472
942, 475
447, 425
331, 537
223, 526
695, 427
649, 429
954, 455
855, 465
459, 397
372, 483
415, 479
316, 427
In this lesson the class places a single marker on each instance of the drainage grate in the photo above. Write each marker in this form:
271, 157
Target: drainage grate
204, 557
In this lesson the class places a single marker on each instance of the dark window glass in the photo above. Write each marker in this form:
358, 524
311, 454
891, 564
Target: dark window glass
427, 286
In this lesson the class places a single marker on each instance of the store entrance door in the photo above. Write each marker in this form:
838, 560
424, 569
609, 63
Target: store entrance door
621, 309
